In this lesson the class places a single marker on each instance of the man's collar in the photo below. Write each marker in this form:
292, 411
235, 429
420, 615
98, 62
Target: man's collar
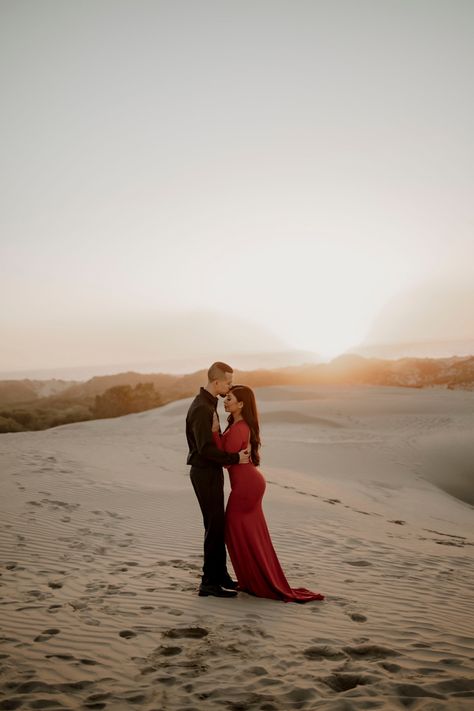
209, 396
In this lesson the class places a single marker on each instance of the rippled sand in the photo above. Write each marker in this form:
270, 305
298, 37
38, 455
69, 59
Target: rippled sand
101, 549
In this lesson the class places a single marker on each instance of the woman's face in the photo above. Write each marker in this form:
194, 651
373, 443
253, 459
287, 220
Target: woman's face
232, 405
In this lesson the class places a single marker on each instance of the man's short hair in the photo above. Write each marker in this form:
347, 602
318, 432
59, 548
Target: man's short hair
218, 370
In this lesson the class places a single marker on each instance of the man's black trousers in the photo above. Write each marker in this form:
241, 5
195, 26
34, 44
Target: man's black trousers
209, 487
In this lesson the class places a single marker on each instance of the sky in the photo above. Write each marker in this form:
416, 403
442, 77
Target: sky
182, 177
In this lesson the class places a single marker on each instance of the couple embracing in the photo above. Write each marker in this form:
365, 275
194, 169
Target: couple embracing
241, 525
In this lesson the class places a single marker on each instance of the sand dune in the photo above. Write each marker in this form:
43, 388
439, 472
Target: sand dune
451, 452
101, 541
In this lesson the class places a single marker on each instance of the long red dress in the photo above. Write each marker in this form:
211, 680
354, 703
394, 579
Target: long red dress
247, 538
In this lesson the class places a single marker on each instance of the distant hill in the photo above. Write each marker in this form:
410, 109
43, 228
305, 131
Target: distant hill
26, 390
172, 366
417, 349
453, 372
35, 404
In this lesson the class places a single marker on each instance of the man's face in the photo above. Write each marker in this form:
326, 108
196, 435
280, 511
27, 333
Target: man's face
223, 386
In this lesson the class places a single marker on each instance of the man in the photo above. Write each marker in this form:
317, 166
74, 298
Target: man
207, 478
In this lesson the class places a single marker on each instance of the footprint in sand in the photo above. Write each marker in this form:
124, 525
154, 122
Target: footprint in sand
343, 682
111, 588
38, 594
92, 621
337, 599
169, 651
116, 515
53, 609
357, 617
62, 657
408, 692
127, 634
49, 572
72, 658
60, 504
392, 668
186, 633
358, 563
319, 652
178, 563
93, 701
370, 651
121, 567
4, 639
47, 634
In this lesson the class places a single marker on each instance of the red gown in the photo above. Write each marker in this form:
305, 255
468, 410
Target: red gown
247, 538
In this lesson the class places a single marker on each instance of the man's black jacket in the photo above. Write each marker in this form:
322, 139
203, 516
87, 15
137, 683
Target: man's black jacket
203, 452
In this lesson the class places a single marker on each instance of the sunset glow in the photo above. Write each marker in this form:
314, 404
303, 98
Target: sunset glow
286, 167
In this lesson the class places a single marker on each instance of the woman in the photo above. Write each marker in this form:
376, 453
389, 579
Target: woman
247, 538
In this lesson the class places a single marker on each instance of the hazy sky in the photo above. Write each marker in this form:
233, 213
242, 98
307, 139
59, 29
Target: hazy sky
294, 165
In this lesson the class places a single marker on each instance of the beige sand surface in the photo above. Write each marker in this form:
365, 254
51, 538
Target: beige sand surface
101, 548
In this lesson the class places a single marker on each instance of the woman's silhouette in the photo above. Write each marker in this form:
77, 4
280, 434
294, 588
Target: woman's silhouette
247, 537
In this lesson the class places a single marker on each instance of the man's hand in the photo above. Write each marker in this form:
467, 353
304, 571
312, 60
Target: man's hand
215, 422
244, 456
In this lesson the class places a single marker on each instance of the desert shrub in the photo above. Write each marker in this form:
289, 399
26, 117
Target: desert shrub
77, 413
8, 424
123, 400
23, 417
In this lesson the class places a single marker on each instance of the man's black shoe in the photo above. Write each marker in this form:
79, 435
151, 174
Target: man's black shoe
229, 583
216, 590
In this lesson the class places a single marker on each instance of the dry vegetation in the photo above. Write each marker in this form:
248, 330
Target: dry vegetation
24, 406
